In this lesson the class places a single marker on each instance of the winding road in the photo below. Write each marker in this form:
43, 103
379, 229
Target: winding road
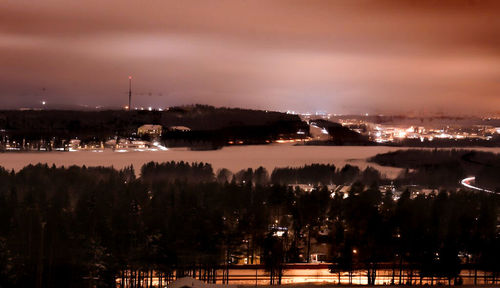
467, 183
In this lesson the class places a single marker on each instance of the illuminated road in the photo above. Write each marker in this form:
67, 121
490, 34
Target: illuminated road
467, 183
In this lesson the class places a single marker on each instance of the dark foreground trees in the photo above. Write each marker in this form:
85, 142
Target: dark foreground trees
80, 227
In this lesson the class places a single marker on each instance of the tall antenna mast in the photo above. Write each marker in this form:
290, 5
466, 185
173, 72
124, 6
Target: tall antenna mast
129, 93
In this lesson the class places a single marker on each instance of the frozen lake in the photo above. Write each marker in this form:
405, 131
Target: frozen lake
233, 158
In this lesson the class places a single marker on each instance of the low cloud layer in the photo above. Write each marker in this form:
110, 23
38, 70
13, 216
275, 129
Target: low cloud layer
334, 56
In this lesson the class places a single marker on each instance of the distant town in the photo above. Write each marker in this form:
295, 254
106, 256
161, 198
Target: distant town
410, 130
202, 127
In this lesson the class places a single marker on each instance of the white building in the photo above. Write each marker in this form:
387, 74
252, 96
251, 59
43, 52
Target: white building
150, 129
179, 128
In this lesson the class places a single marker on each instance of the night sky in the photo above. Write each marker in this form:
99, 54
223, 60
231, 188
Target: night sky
416, 57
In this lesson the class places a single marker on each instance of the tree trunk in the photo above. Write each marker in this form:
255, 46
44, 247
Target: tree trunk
253, 249
139, 278
122, 282
132, 278
308, 244
369, 276
280, 275
400, 268
151, 278
393, 272
475, 276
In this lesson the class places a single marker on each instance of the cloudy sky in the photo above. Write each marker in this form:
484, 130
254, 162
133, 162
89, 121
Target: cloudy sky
336, 56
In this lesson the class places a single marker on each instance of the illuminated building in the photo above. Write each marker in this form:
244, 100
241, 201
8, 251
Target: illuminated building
150, 129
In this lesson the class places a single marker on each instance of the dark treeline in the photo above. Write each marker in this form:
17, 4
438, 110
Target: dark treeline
443, 143
437, 168
237, 133
325, 174
79, 227
177, 171
58, 125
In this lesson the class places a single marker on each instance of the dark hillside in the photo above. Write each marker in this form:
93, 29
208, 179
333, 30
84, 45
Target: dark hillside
342, 135
100, 125
444, 167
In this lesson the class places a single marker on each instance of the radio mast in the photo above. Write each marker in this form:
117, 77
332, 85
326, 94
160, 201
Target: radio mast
129, 93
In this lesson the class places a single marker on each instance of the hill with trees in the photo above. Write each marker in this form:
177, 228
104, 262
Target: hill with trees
207, 123
340, 135
440, 168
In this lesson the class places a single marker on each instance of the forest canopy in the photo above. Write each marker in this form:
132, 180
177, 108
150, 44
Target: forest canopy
81, 226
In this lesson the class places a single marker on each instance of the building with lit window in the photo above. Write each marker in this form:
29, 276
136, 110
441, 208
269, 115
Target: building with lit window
150, 129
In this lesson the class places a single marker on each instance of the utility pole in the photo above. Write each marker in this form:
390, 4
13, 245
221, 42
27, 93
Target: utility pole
39, 267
